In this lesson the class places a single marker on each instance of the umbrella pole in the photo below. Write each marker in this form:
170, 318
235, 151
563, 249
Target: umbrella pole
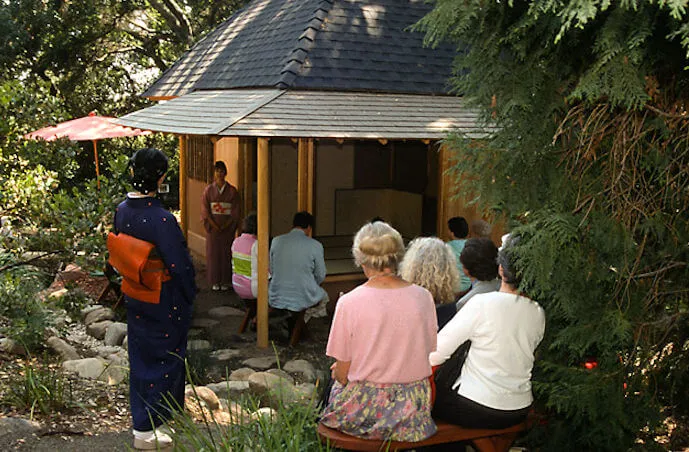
95, 157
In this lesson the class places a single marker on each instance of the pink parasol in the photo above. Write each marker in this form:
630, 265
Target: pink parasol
87, 128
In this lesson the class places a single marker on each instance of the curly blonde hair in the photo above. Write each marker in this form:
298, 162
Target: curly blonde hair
378, 246
430, 263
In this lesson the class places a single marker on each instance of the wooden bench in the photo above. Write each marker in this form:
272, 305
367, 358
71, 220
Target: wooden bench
298, 318
483, 440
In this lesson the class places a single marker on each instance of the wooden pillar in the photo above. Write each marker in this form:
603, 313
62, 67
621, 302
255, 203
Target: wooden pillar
443, 198
263, 212
305, 175
183, 184
246, 162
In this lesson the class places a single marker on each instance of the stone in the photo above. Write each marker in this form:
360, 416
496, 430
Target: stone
115, 333
225, 354
204, 394
125, 343
230, 389
204, 323
307, 391
261, 383
106, 350
11, 346
262, 363
242, 374
98, 329
86, 367
90, 308
16, 426
303, 368
98, 315
226, 311
62, 348
194, 332
117, 369
267, 413
238, 413
281, 373
198, 345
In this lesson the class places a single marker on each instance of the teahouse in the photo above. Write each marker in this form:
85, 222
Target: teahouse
329, 106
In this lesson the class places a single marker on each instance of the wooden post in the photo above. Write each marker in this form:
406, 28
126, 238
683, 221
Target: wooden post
305, 175
263, 212
183, 184
246, 162
441, 226
95, 157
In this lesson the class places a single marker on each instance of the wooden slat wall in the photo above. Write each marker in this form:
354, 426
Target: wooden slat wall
200, 158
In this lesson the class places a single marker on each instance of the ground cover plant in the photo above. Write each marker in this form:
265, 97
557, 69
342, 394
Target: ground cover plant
589, 165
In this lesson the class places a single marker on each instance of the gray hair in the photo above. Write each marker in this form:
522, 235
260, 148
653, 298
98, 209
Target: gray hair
430, 263
378, 246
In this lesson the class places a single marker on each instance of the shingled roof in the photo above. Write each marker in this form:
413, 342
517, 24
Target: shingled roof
342, 45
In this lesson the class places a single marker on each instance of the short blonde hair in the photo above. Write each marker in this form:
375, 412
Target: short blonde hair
431, 264
378, 246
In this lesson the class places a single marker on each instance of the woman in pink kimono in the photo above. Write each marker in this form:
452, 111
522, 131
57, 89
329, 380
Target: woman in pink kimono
220, 214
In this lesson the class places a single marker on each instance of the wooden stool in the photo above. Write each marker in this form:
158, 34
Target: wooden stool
484, 440
251, 308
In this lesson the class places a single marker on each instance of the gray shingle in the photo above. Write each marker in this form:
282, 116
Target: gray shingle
345, 45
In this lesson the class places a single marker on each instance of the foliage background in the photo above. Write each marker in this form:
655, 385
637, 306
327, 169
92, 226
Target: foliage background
590, 166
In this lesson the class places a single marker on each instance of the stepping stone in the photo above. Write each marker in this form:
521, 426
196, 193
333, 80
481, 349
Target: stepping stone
225, 311
225, 354
265, 362
204, 323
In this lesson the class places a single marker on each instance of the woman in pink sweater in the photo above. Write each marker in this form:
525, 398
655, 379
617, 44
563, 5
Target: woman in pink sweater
381, 336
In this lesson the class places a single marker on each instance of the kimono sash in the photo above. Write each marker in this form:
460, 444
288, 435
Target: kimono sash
143, 272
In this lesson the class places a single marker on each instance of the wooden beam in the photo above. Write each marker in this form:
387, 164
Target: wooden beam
183, 211
246, 162
305, 174
263, 208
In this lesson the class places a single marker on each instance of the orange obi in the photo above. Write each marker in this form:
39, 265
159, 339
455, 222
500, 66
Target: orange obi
143, 272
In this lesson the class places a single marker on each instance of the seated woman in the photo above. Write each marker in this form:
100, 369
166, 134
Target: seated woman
431, 263
381, 335
494, 388
479, 261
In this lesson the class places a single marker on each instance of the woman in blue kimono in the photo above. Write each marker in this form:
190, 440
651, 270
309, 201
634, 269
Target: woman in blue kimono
157, 333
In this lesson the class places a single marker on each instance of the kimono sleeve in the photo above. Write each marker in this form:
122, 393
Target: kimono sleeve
339, 340
173, 250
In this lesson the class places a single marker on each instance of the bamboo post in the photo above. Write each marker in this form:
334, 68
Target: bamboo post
305, 175
183, 184
95, 157
263, 213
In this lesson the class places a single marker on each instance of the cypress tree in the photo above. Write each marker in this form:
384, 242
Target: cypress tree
589, 163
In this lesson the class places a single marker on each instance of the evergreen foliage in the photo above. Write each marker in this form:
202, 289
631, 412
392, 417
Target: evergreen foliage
590, 164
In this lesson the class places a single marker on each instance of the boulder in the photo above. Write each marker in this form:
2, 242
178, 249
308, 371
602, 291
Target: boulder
86, 368
106, 350
11, 346
230, 389
115, 333
204, 394
307, 391
98, 329
225, 354
226, 311
265, 413
281, 373
125, 343
98, 315
303, 368
242, 374
62, 348
117, 369
262, 383
262, 363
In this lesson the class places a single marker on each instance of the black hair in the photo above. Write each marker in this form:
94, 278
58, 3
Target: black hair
250, 224
148, 165
458, 226
479, 258
220, 165
508, 261
302, 220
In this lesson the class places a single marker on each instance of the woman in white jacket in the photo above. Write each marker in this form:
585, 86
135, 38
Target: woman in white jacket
504, 327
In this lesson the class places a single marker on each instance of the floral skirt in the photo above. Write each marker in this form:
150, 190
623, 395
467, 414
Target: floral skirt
394, 411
